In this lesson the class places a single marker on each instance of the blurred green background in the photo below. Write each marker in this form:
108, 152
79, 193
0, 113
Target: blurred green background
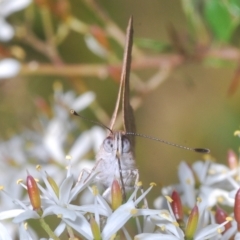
191, 107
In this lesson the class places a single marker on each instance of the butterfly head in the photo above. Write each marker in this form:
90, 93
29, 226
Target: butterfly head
117, 143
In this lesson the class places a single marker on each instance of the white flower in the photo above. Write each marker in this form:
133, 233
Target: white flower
207, 180
19, 214
95, 46
8, 67
29, 145
7, 7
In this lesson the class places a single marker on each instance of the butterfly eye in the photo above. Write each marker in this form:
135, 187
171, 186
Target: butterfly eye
125, 145
108, 144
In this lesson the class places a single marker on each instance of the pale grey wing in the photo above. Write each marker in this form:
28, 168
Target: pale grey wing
128, 116
114, 116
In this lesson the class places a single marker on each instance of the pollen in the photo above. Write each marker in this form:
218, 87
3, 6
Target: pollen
207, 157
220, 199
139, 184
113, 236
20, 180
37, 180
1, 188
59, 216
164, 214
229, 219
68, 157
25, 225
175, 224
169, 199
38, 167
188, 181
163, 228
237, 178
95, 190
219, 230
153, 184
133, 211
236, 133
199, 200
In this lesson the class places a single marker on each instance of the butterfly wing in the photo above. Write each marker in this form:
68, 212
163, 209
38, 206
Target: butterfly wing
128, 116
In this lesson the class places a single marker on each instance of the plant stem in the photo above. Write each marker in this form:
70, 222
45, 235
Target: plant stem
48, 230
71, 234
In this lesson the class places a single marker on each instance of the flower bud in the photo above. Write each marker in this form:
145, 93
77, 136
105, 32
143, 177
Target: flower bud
192, 223
237, 209
100, 36
95, 229
53, 185
33, 193
116, 194
177, 208
220, 217
232, 159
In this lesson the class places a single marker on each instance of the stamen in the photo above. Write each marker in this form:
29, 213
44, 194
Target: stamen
19, 181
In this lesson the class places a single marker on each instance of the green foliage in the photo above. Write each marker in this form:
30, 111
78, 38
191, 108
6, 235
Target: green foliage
223, 18
154, 45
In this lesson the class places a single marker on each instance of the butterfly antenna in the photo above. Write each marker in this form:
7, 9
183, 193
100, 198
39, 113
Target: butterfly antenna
199, 150
95, 122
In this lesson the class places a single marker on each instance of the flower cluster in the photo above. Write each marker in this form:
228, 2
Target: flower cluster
101, 219
47, 143
206, 188
192, 209
9, 67
97, 220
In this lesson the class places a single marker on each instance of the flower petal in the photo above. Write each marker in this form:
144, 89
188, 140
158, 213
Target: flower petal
155, 236
9, 7
8, 67
7, 31
4, 234
60, 211
83, 101
10, 213
117, 219
81, 225
65, 189
210, 231
26, 215
187, 182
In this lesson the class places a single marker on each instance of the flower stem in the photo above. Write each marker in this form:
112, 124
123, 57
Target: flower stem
48, 230
70, 232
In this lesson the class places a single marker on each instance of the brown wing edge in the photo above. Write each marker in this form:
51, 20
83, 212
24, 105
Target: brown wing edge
114, 116
128, 116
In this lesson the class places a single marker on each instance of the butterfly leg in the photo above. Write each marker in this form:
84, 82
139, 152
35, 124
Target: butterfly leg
121, 179
85, 174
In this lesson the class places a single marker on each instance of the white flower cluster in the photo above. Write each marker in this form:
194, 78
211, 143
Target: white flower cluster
9, 67
212, 184
207, 181
151, 223
47, 144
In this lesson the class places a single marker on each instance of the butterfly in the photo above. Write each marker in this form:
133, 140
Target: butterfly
115, 159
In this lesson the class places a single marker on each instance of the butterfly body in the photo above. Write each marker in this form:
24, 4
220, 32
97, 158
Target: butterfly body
115, 160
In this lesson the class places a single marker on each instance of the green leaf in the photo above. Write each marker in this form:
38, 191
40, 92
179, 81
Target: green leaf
235, 6
150, 44
219, 18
